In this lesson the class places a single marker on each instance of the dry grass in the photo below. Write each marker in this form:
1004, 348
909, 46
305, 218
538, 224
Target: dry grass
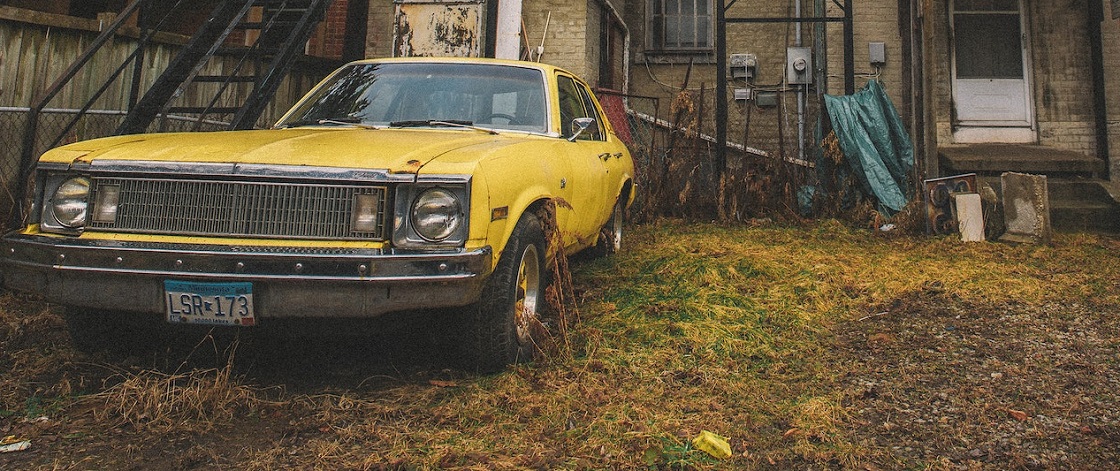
193, 401
692, 327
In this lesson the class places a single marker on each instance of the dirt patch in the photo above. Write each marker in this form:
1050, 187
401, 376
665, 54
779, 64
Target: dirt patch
934, 381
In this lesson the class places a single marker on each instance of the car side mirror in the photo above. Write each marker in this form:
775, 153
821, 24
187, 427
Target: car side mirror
582, 124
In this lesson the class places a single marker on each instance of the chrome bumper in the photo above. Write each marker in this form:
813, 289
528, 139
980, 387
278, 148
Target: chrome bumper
287, 282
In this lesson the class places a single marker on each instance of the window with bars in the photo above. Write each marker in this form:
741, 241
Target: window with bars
680, 25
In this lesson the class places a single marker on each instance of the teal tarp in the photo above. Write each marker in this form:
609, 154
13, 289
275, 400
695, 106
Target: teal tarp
875, 144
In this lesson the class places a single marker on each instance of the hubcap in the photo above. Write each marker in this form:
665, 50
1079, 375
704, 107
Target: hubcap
528, 294
616, 228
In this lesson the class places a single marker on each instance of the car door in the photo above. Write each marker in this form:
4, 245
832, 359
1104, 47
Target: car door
587, 154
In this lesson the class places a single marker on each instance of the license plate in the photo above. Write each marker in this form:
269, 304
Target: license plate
192, 302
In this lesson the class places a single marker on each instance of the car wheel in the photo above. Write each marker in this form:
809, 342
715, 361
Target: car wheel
503, 322
610, 235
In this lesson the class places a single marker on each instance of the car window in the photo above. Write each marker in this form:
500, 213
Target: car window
574, 103
494, 96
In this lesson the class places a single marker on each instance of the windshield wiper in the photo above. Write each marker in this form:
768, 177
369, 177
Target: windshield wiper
455, 123
341, 121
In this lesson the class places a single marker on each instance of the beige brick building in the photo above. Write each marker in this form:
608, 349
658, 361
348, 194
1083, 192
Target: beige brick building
982, 85
1052, 98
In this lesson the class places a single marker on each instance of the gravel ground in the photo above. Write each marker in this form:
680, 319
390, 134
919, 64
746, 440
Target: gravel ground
936, 382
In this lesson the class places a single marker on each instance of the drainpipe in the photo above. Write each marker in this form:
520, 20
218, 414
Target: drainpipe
801, 90
1096, 59
508, 44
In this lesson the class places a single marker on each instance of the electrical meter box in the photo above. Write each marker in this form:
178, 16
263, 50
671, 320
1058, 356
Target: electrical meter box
877, 53
743, 66
799, 65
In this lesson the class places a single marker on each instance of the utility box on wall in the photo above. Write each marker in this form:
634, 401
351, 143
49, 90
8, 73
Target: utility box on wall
877, 53
799, 65
743, 66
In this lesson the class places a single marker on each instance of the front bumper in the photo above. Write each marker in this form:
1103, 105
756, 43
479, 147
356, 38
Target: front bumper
287, 282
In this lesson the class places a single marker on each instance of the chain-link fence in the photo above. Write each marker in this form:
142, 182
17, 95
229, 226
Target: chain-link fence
676, 168
51, 131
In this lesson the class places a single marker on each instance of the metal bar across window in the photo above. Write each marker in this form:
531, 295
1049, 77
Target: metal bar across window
816, 19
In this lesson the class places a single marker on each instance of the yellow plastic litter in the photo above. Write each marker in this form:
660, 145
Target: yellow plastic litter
712, 444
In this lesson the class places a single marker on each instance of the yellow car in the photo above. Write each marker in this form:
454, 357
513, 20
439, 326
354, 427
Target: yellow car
395, 184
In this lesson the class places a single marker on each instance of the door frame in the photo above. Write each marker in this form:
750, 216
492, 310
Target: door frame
1021, 132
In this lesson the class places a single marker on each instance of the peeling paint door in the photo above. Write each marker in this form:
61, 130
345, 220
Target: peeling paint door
991, 89
433, 28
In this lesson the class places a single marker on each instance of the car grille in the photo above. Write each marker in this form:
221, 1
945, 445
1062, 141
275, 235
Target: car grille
243, 209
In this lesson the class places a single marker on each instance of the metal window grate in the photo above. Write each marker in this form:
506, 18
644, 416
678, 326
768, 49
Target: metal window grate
242, 209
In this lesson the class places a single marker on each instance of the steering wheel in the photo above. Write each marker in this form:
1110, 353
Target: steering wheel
509, 119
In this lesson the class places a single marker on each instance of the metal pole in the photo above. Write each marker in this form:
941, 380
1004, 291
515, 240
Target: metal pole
721, 89
849, 51
820, 46
801, 90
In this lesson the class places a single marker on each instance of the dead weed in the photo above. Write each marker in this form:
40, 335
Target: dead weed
193, 401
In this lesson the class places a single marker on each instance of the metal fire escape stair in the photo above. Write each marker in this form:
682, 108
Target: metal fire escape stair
277, 31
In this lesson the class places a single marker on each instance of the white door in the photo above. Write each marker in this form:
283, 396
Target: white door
991, 88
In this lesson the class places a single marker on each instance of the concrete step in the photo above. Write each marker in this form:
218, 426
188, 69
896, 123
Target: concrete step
1078, 204
1080, 215
1077, 189
993, 159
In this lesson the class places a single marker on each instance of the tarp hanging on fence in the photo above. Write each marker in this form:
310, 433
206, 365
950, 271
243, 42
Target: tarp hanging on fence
875, 144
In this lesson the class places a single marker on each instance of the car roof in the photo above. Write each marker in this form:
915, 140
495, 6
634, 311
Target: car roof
547, 68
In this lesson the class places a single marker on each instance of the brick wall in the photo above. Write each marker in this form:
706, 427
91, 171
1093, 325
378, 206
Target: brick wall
772, 129
335, 29
569, 31
379, 32
330, 35
568, 34
873, 21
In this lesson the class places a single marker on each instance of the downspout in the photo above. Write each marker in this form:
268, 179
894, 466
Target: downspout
802, 90
1096, 59
925, 71
625, 47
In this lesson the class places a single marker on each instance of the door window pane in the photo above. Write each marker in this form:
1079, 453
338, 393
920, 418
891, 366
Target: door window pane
988, 46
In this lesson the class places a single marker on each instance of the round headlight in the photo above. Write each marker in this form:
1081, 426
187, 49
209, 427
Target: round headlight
436, 214
71, 201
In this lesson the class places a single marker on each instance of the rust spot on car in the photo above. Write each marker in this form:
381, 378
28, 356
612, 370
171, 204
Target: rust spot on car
412, 167
562, 203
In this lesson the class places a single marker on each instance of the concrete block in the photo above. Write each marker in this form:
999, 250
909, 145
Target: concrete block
970, 216
1026, 208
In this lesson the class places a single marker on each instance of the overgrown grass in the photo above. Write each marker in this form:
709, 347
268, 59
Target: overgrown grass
193, 401
699, 327
691, 327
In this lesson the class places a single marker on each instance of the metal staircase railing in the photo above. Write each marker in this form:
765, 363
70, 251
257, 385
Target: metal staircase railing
238, 95
284, 28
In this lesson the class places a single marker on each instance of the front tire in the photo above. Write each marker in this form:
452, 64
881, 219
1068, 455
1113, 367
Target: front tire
503, 323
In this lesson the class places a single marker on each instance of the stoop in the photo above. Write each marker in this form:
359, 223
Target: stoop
1080, 200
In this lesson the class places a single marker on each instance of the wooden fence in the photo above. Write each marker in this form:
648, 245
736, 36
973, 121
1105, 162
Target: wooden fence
37, 48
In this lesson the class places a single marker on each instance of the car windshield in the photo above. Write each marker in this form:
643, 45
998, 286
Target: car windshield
483, 95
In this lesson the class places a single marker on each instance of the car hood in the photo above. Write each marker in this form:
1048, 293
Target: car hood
397, 150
